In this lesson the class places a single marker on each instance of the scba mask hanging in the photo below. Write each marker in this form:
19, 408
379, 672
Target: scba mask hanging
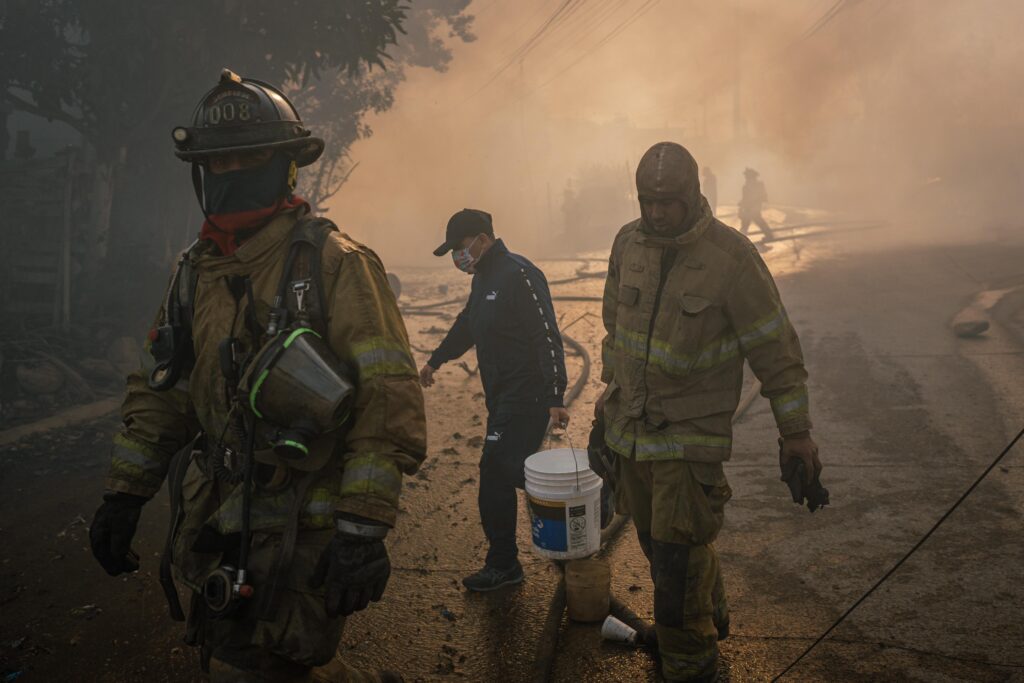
297, 385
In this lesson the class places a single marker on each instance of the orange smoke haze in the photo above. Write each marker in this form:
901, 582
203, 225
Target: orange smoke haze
905, 109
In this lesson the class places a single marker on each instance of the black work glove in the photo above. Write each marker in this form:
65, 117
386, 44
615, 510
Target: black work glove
112, 530
356, 571
802, 487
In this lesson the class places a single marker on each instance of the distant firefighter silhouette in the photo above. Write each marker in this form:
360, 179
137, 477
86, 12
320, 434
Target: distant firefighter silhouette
752, 201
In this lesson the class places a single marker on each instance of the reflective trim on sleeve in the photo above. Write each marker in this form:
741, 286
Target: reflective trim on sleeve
767, 328
136, 464
373, 475
791, 405
379, 356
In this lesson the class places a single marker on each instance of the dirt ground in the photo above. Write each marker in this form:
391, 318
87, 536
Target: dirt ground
906, 414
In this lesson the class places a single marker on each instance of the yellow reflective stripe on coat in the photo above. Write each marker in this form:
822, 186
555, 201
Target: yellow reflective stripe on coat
658, 446
661, 354
369, 474
721, 350
321, 506
793, 404
136, 465
379, 356
270, 510
635, 344
765, 329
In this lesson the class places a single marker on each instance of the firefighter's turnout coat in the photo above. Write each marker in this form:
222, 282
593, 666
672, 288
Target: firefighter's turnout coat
676, 341
359, 474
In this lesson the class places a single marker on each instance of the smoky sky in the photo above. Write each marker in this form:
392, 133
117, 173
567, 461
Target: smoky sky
909, 110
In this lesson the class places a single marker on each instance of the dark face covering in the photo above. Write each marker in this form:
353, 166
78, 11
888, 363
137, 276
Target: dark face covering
247, 189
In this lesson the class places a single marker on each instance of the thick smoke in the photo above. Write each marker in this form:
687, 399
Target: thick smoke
909, 110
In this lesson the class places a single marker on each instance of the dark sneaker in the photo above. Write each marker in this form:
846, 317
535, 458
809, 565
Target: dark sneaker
489, 578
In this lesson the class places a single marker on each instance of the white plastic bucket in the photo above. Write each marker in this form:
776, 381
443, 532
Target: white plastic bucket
564, 498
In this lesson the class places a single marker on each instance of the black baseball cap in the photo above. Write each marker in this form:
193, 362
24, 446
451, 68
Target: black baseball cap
465, 223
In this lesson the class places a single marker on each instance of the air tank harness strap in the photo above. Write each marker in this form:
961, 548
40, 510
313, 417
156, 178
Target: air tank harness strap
302, 269
303, 274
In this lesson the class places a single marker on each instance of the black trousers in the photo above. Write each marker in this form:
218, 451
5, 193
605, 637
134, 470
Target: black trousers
510, 440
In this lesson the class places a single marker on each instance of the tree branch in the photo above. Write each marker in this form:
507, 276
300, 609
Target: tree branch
330, 193
48, 114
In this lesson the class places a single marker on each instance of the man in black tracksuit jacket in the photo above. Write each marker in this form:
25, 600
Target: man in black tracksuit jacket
510, 320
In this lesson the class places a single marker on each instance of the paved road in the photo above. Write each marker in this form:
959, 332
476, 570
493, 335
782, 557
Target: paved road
906, 415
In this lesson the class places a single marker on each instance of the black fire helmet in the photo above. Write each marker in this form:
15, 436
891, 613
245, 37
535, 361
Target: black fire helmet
243, 114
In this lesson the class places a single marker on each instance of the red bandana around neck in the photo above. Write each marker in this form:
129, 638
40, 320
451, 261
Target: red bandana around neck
232, 229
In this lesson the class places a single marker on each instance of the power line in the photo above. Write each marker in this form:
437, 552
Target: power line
563, 11
905, 557
629, 21
710, 87
510, 39
820, 23
601, 13
564, 14
832, 13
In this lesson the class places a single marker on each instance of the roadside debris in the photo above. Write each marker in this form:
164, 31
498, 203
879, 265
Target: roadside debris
45, 372
975, 319
39, 378
970, 328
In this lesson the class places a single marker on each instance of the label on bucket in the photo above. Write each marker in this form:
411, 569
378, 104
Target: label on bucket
558, 527
577, 526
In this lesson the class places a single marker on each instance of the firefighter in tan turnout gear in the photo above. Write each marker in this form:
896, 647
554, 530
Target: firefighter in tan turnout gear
285, 385
686, 301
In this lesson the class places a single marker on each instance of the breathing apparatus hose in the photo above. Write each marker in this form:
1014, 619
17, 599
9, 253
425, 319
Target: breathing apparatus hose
247, 469
248, 465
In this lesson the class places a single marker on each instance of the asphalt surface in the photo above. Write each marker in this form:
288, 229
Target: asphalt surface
906, 415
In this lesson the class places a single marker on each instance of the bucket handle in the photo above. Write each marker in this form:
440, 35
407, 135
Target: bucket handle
572, 448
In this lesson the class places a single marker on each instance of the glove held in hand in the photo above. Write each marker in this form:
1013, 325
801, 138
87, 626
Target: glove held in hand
794, 473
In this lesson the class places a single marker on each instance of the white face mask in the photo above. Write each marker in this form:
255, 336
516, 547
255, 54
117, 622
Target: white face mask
464, 259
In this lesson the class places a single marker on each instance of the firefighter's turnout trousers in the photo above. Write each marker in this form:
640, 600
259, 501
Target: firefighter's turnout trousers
678, 509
